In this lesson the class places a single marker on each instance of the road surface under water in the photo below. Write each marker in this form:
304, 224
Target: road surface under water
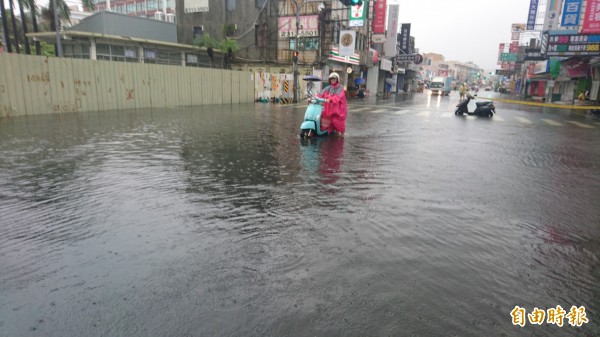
219, 221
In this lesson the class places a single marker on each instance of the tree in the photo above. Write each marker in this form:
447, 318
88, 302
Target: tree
24, 23
14, 24
209, 43
206, 41
6, 39
228, 47
64, 11
30, 4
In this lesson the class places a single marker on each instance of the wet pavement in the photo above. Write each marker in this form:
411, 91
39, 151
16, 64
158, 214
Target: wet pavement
219, 221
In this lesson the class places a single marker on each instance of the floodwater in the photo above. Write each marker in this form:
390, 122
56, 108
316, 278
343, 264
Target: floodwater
219, 221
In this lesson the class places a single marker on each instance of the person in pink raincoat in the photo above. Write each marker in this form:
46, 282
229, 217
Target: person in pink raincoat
335, 109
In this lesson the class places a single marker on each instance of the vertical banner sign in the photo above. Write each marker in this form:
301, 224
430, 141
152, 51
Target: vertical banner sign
570, 14
347, 42
591, 20
404, 38
533, 6
358, 15
379, 17
500, 51
552, 12
389, 47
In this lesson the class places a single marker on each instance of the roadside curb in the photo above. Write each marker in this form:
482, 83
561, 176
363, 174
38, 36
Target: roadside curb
549, 105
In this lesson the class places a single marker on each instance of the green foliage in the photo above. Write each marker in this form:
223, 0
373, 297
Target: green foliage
228, 29
47, 49
206, 41
226, 44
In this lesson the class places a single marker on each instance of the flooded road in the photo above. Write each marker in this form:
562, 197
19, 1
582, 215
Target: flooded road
219, 221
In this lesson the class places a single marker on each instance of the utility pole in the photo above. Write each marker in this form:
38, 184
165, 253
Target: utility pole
295, 52
56, 27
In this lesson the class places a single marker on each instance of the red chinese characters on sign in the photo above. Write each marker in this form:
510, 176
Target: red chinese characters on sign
591, 19
379, 17
309, 26
514, 47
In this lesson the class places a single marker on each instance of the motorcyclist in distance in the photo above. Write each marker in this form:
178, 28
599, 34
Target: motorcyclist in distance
335, 108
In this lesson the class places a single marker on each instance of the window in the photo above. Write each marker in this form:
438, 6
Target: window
130, 55
230, 5
149, 54
260, 35
307, 43
198, 32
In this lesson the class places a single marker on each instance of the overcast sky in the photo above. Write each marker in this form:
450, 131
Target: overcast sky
462, 30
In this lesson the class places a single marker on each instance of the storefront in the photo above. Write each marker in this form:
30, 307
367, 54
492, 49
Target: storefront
537, 77
594, 93
346, 66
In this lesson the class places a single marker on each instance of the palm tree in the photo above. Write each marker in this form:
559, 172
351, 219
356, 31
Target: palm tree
14, 25
64, 11
24, 23
5, 27
30, 4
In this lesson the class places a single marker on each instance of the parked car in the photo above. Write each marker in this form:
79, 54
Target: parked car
488, 88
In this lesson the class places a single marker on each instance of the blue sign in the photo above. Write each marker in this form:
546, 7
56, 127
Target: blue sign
533, 6
570, 17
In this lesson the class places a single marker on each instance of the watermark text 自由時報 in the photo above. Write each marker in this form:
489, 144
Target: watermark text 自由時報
576, 316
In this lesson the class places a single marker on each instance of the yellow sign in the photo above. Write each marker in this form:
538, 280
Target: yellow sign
575, 317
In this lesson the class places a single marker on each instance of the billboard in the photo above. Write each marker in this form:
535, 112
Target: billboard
570, 15
347, 42
379, 17
531, 15
404, 38
571, 45
195, 6
309, 26
552, 12
591, 19
390, 38
358, 15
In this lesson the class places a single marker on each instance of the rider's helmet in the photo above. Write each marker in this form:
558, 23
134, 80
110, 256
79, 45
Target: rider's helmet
334, 75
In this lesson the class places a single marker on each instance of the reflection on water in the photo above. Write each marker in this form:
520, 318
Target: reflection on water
220, 221
322, 158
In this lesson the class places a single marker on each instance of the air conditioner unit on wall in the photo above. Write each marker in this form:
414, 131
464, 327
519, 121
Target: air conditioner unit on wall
158, 15
170, 17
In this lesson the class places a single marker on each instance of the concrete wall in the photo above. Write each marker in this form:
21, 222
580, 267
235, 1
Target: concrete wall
244, 13
31, 85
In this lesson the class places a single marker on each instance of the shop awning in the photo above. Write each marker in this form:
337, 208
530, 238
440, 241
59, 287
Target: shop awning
334, 55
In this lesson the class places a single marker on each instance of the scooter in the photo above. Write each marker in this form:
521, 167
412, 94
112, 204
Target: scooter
483, 109
311, 126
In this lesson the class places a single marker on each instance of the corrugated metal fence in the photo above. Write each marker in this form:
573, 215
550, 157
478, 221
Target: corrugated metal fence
39, 85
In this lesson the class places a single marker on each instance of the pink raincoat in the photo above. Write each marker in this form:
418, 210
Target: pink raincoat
333, 117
